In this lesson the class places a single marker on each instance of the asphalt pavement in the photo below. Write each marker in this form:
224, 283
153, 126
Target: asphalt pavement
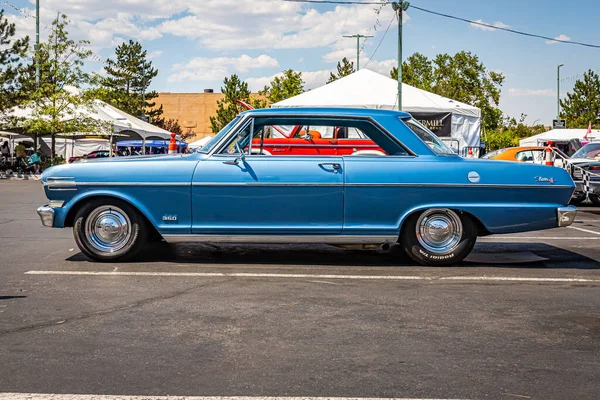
520, 320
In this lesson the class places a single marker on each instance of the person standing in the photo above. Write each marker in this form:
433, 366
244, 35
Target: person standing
5, 151
21, 153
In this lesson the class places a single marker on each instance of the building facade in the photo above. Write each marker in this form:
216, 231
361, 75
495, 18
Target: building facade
192, 110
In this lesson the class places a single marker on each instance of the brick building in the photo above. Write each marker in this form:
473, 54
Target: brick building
192, 110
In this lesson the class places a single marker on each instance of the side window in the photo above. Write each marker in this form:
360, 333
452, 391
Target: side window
298, 136
524, 156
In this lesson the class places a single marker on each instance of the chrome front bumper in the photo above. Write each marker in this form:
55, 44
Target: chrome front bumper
566, 215
46, 214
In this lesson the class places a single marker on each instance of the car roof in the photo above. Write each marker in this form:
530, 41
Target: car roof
327, 111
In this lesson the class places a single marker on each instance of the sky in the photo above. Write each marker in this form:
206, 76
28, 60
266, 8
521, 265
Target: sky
196, 43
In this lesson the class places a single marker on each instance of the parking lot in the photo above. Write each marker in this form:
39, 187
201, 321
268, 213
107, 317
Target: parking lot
520, 319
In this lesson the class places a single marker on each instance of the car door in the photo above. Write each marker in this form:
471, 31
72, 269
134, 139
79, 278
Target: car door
265, 194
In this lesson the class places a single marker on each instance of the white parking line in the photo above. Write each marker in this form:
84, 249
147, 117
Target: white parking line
317, 276
37, 396
585, 230
518, 238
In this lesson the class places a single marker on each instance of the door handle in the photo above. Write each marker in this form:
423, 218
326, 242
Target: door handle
335, 166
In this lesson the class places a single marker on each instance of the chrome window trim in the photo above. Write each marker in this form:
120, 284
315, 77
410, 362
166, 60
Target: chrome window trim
285, 239
235, 128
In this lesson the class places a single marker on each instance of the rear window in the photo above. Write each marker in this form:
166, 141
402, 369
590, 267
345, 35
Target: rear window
430, 139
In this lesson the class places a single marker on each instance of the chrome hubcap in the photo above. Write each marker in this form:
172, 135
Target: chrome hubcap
439, 231
108, 229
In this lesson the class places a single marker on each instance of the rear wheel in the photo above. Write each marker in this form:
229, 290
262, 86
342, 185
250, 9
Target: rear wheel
109, 230
438, 236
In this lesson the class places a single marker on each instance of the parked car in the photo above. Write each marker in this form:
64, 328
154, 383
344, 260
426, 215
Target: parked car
588, 159
531, 154
93, 154
418, 194
325, 140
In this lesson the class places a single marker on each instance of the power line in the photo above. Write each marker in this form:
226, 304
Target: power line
381, 41
595, 46
337, 2
505, 29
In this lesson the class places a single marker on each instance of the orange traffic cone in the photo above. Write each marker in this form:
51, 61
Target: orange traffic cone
173, 145
548, 157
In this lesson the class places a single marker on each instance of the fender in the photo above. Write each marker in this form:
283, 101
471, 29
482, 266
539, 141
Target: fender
491, 220
61, 213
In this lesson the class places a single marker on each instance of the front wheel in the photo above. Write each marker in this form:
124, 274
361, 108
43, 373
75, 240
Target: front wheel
109, 230
438, 237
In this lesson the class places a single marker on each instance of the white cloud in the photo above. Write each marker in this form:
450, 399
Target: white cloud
559, 37
212, 69
154, 54
315, 79
531, 92
492, 27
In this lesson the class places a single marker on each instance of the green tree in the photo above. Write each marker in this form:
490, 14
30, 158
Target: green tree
57, 105
228, 108
171, 125
344, 68
127, 80
510, 132
284, 87
417, 71
12, 53
461, 77
582, 106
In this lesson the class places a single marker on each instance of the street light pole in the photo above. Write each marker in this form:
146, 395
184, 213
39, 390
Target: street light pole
358, 36
558, 91
399, 7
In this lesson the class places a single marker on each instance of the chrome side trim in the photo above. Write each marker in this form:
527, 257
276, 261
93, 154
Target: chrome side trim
302, 184
281, 239
46, 215
566, 215
133, 183
461, 185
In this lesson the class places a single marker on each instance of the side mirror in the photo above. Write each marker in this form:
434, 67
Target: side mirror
241, 157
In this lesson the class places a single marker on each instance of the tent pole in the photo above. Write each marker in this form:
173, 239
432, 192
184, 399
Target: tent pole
144, 146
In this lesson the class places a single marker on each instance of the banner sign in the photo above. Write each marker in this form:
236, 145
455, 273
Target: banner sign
438, 123
559, 124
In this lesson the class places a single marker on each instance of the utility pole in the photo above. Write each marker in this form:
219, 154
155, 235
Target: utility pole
399, 7
358, 36
558, 91
37, 43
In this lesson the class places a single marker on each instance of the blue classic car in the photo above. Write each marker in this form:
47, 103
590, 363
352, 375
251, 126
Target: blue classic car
413, 191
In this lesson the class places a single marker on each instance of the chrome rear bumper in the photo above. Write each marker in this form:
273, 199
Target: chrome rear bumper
46, 214
566, 215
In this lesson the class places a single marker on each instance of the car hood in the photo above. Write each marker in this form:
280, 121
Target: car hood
153, 157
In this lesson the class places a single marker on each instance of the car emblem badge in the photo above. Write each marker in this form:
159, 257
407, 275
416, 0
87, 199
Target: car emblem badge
473, 177
544, 179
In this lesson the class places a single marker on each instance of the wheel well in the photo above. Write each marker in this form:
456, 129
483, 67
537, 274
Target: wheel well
70, 218
481, 229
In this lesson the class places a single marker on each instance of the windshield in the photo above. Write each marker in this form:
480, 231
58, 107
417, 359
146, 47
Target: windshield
591, 150
434, 143
209, 146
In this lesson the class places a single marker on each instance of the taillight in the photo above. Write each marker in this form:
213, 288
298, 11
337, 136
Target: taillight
594, 168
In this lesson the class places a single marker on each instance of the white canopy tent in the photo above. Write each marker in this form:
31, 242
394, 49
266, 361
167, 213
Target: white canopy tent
120, 121
368, 89
71, 147
560, 135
